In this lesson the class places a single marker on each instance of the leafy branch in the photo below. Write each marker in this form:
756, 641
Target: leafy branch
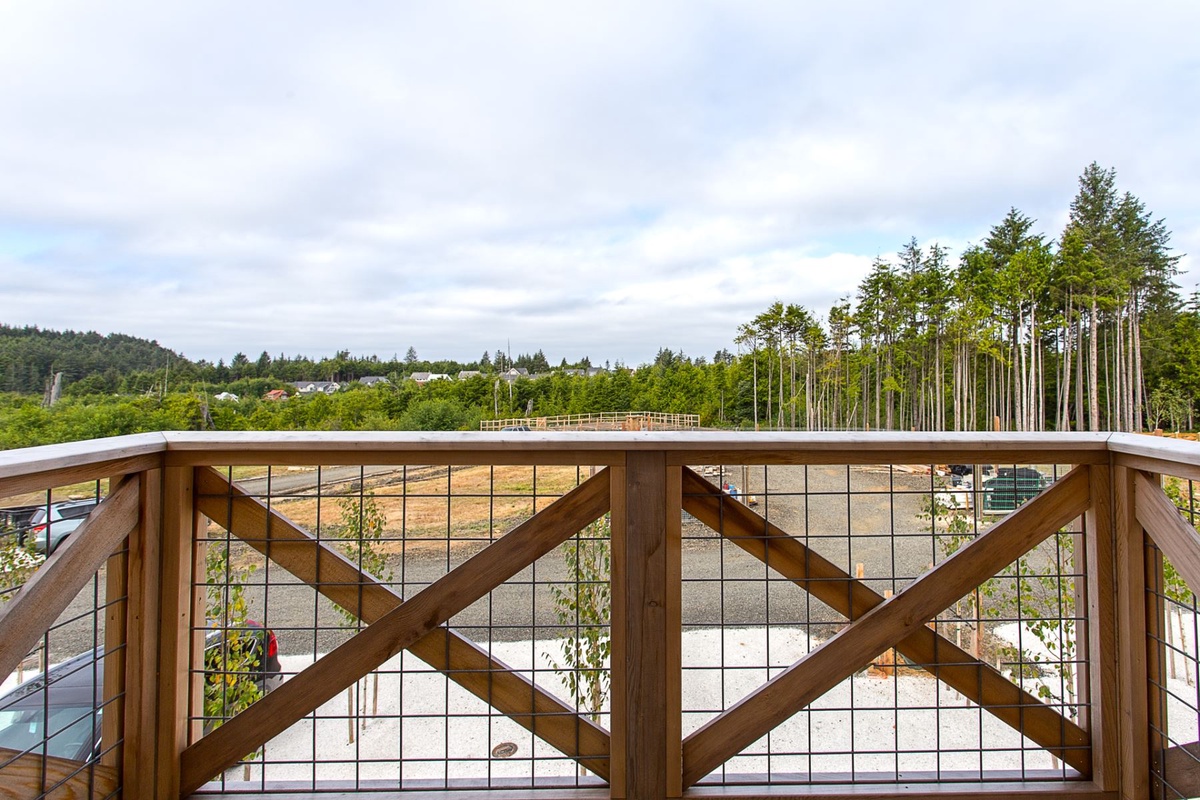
584, 608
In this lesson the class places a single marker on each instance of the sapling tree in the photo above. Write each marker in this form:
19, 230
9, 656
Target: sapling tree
232, 659
583, 606
1038, 590
951, 525
1043, 599
361, 528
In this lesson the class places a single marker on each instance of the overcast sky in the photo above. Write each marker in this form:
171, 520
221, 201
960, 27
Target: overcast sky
598, 179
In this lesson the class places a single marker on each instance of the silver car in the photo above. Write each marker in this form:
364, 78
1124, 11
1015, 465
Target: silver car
50, 525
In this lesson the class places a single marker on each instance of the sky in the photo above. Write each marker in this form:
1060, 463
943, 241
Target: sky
589, 179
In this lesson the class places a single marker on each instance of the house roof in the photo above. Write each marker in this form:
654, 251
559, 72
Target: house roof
316, 386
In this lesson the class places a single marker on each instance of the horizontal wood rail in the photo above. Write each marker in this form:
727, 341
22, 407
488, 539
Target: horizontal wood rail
162, 492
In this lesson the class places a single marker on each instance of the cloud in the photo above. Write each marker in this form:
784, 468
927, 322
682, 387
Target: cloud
604, 180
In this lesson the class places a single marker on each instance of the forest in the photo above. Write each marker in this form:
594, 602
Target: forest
1085, 330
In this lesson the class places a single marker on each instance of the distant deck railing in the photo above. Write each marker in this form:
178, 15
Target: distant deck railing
631, 615
600, 421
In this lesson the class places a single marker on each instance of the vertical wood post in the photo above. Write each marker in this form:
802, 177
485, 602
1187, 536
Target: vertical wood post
141, 644
116, 624
647, 696
1131, 618
180, 522
1156, 673
1101, 615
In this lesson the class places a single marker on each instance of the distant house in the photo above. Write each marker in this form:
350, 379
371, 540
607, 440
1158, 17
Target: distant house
312, 387
468, 373
514, 374
372, 380
423, 378
590, 372
276, 395
226, 396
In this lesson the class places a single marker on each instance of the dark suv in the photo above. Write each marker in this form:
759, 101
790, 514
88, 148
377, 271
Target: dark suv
1010, 488
66, 713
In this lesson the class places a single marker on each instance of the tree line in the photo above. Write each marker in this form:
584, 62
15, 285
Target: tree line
1083, 331
92, 363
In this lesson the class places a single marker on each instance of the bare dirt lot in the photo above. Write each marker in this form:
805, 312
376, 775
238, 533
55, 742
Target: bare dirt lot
436, 518
860, 515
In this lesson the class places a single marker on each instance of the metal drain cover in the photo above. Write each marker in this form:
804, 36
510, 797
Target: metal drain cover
504, 750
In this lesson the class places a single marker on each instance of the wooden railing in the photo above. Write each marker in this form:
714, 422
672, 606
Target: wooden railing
162, 491
600, 421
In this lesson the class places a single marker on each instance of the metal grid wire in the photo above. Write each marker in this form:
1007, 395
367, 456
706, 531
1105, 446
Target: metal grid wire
52, 706
1173, 664
745, 622
406, 725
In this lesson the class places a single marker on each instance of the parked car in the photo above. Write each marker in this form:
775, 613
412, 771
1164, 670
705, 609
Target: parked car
1011, 488
515, 428
17, 517
49, 525
64, 712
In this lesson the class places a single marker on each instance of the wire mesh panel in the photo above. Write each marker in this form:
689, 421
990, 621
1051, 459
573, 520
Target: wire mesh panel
780, 561
61, 705
1173, 665
503, 695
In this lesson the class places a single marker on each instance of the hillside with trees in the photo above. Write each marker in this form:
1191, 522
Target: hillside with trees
30, 356
1024, 331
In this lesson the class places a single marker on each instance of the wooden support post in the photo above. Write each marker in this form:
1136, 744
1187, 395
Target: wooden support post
1156, 662
141, 644
1131, 628
647, 694
1101, 614
180, 523
116, 601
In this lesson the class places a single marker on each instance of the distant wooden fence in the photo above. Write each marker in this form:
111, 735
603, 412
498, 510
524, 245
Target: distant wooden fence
604, 421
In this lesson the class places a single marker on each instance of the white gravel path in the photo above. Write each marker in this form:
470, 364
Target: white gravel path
868, 723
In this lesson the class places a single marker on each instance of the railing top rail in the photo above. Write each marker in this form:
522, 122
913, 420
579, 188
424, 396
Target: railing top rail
627, 440
31, 468
599, 448
1156, 453
1181, 450
102, 457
